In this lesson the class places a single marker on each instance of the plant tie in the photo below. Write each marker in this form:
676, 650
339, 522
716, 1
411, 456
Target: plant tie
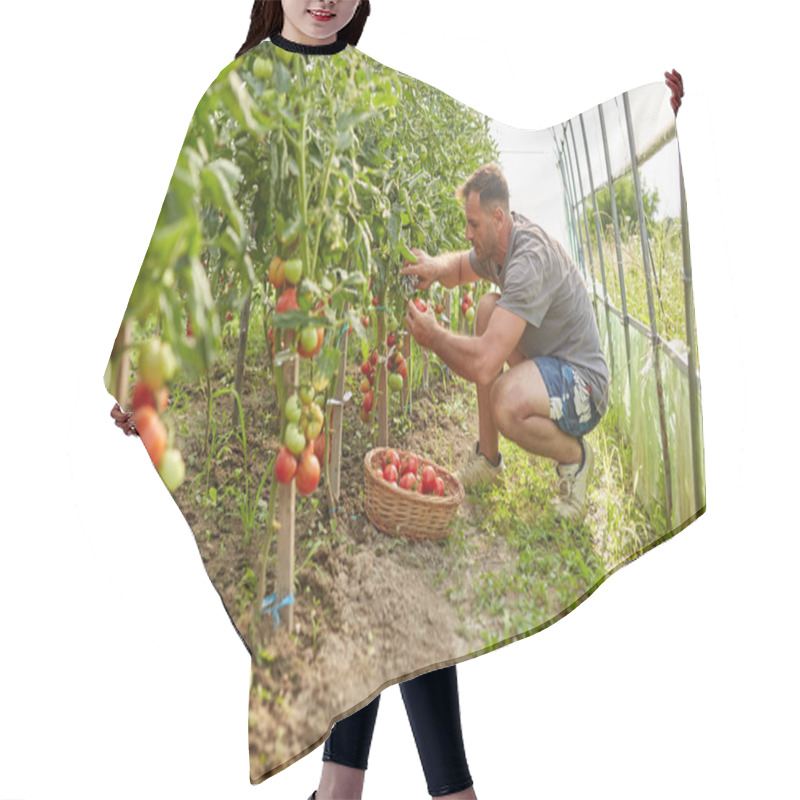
271, 604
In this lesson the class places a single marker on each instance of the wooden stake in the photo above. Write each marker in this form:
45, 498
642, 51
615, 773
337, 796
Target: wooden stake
335, 425
286, 519
382, 384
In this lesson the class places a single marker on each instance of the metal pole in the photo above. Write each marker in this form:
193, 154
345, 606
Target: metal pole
699, 494
613, 196
651, 309
576, 252
599, 240
567, 212
575, 203
585, 215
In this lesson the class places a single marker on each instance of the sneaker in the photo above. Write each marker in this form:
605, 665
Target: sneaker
572, 483
478, 471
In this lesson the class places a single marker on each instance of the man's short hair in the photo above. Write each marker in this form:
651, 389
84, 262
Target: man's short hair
490, 184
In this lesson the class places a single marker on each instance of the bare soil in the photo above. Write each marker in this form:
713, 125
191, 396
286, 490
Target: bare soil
371, 609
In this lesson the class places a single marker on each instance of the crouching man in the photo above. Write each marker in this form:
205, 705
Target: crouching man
540, 323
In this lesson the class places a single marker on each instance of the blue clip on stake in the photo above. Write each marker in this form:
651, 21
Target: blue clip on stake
270, 604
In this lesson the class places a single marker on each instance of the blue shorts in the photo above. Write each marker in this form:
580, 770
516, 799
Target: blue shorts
571, 405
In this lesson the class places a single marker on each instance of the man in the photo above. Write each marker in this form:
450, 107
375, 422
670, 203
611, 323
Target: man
541, 325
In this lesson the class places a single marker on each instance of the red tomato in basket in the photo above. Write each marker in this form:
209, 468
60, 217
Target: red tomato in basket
409, 465
391, 457
390, 473
439, 487
408, 481
428, 480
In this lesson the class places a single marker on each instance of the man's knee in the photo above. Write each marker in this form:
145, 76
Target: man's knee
503, 405
486, 306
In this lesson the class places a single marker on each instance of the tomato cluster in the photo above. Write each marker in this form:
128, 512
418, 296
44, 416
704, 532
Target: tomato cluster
303, 448
157, 367
367, 382
284, 276
406, 474
398, 369
467, 308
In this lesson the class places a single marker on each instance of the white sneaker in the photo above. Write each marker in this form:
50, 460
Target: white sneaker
572, 484
478, 471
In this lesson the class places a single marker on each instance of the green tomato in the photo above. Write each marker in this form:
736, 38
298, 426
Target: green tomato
313, 420
172, 469
262, 68
293, 271
308, 337
396, 382
470, 314
283, 55
169, 364
306, 392
293, 409
295, 439
157, 363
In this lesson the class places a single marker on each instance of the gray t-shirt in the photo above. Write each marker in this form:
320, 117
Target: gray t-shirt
539, 282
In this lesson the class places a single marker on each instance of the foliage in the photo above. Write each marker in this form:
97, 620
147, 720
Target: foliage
627, 209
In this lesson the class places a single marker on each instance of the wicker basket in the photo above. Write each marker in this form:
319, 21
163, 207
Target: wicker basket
398, 511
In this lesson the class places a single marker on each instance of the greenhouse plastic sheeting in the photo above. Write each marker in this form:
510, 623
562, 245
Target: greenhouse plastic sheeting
641, 420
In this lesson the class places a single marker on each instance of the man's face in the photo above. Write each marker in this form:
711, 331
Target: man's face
480, 228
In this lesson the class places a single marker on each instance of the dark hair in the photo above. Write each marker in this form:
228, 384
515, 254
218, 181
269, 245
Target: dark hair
490, 184
266, 19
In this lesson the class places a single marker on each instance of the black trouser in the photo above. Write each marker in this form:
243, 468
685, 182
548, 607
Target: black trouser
432, 706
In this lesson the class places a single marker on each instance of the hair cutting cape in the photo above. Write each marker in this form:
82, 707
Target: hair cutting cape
265, 340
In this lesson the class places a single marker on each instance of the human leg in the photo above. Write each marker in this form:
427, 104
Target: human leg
484, 464
431, 701
521, 406
487, 430
520, 399
345, 755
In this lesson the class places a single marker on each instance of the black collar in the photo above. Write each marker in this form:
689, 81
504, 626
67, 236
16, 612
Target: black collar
308, 49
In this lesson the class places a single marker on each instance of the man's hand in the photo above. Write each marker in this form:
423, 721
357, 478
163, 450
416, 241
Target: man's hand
422, 325
425, 267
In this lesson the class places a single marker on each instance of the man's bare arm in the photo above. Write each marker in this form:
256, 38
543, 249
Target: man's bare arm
455, 269
480, 359
450, 269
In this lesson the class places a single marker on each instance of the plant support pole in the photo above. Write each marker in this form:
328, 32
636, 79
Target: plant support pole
599, 241
575, 205
286, 518
613, 197
655, 342
694, 416
585, 215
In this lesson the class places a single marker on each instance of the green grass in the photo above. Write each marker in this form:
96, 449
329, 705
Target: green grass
667, 277
552, 563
